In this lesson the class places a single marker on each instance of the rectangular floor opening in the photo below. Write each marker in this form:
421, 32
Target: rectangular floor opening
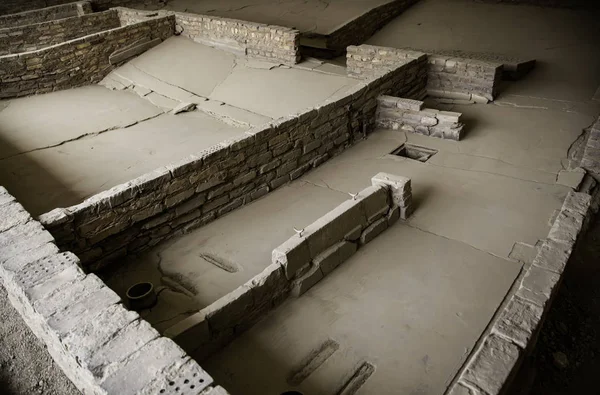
415, 152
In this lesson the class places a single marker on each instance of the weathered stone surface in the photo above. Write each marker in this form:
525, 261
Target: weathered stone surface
553, 256
307, 281
36, 273
519, 321
268, 285
12, 215
566, 227
538, 285
373, 231
226, 312
292, 255
493, 364
182, 377
335, 256
143, 367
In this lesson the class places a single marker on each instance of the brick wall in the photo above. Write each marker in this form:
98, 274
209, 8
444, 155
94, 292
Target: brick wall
41, 35
178, 198
274, 43
101, 346
447, 76
46, 14
74, 63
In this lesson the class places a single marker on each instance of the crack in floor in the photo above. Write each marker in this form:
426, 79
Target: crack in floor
84, 136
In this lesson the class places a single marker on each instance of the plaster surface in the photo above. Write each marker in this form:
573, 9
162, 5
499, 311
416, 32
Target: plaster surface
315, 16
262, 90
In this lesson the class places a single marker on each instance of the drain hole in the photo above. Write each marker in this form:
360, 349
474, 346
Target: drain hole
415, 152
141, 296
139, 290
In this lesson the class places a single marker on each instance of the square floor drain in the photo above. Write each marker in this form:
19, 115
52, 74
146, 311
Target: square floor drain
415, 152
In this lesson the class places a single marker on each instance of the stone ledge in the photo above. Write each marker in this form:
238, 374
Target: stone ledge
512, 334
100, 345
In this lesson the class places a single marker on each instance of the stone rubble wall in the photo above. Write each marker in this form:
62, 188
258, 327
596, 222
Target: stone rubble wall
512, 334
180, 197
447, 77
298, 264
101, 346
409, 115
44, 34
362, 28
19, 6
257, 40
77, 62
46, 14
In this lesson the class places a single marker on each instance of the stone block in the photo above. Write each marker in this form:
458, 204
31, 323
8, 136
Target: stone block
393, 215
334, 256
519, 321
268, 286
553, 256
373, 231
66, 294
38, 272
292, 255
538, 285
11, 215
19, 261
492, 364
184, 376
566, 227
307, 281
143, 367
577, 202
373, 199
406, 212
336, 224
354, 234
230, 310
83, 310
400, 187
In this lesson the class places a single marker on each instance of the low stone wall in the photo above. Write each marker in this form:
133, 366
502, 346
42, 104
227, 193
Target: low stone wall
360, 29
74, 63
298, 264
41, 35
18, 6
102, 347
180, 197
447, 77
410, 116
257, 40
512, 333
45, 14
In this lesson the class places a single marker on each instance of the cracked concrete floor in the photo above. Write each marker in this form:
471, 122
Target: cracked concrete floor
60, 148
315, 16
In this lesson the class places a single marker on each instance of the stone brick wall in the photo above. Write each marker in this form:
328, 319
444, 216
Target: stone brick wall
40, 35
17, 6
46, 14
512, 333
180, 197
77, 62
274, 43
298, 264
449, 77
365, 61
101, 346
409, 115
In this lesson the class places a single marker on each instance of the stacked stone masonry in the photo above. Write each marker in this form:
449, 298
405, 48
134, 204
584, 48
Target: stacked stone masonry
298, 264
409, 115
591, 154
446, 76
100, 345
77, 62
178, 198
31, 15
40, 35
513, 68
492, 366
256, 40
